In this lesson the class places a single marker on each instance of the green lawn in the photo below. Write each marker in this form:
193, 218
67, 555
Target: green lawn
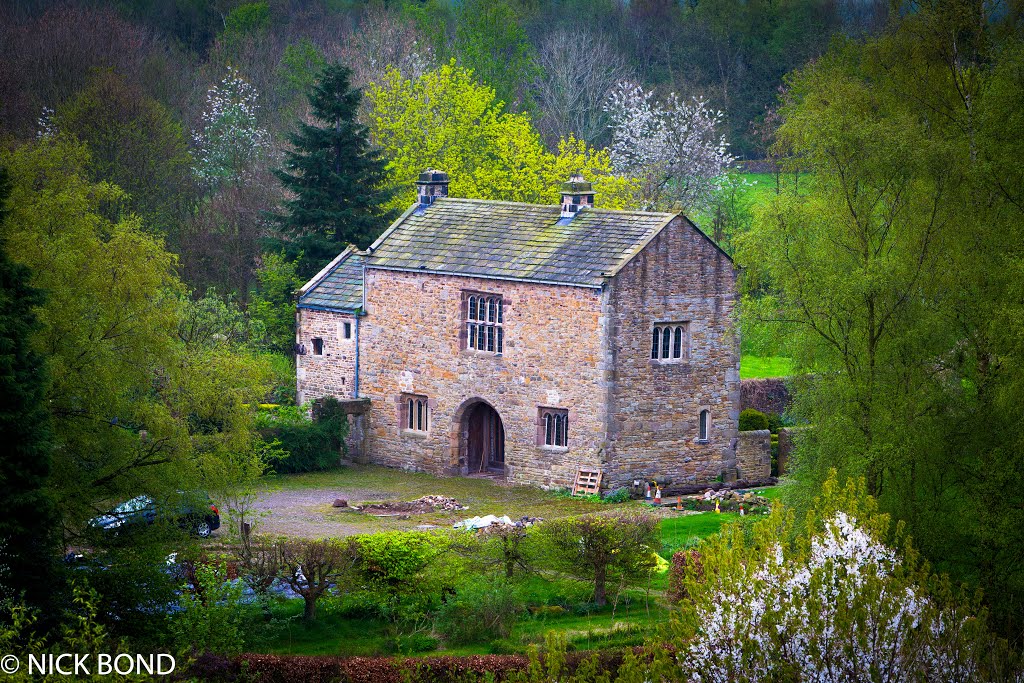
754, 367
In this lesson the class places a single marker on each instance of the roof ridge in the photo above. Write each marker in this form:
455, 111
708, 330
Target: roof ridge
596, 209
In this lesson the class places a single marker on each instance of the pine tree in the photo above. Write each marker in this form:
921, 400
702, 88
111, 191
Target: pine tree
27, 524
336, 177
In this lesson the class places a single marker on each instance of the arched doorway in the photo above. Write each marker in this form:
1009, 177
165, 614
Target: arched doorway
483, 437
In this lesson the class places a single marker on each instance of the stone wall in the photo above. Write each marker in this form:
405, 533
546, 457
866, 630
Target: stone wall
333, 372
410, 344
654, 406
769, 395
754, 454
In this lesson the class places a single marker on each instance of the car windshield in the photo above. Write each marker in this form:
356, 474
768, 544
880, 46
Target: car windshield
134, 505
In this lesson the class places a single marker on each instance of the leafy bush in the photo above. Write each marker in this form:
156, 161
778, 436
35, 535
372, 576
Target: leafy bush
210, 619
751, 420
619, 495
312, 445
482, 611
393, 563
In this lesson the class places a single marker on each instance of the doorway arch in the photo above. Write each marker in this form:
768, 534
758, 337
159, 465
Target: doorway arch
481, 439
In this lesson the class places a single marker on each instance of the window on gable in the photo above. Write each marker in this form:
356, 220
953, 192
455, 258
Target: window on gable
485, 319
318, 346
670, 342
553, 427
704, 425
414, 413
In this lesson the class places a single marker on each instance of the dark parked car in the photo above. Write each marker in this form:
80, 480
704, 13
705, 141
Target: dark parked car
195, 513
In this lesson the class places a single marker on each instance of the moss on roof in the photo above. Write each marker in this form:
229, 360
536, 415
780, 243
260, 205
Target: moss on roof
509, 240
340, 288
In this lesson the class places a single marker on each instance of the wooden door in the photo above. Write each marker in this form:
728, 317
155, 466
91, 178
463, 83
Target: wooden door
485, 440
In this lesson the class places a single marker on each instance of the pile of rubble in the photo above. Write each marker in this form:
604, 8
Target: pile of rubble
419, 506
491, 522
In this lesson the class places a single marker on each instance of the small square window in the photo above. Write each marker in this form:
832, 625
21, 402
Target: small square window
348, 330
670, 342
414, 413
318, 346
553, 427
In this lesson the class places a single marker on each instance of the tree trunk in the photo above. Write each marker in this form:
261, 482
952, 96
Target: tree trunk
309, 614
600, 573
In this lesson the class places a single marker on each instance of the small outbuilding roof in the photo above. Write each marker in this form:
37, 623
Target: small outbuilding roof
514, 241
339, 286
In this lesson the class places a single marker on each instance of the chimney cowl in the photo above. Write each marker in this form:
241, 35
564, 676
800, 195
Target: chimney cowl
431, 185
576, 194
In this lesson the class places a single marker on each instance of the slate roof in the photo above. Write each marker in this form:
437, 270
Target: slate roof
339, 286
508, 240
503, 240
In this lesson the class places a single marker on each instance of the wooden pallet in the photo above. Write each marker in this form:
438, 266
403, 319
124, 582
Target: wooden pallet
588, 482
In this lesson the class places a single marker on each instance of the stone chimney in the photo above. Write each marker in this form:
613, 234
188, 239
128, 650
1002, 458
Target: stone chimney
576, 193
431, 185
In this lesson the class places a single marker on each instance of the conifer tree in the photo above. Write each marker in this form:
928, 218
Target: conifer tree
336, 177
27, 522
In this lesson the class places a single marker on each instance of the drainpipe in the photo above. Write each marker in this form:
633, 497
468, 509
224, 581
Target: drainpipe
359, 314
355, 380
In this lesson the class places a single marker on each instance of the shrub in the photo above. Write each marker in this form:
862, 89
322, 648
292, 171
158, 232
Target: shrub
210, 619
790, 603
685, 564
600, 547
751, 420
481, 611
619, 495
393, 562
312, 445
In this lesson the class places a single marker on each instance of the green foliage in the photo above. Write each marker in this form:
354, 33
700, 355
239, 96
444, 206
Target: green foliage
211, 618
603, 548
490, 42
251, 17
311, 445
297, 72
134, 143
336, 177
395, 564
903, 231
272, 304
483, 610
759, 599
446, 120
135, 407
28, 523
751, 419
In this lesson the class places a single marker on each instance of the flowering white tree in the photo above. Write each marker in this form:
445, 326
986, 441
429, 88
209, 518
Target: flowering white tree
231, 142
671, 147
836, 605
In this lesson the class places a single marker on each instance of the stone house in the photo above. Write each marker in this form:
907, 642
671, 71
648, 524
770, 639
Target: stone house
526, 341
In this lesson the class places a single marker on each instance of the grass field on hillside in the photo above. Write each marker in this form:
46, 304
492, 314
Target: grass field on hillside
754, 367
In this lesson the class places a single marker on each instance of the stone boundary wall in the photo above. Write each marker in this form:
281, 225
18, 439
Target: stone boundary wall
788, 437
769, 395
754, 454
